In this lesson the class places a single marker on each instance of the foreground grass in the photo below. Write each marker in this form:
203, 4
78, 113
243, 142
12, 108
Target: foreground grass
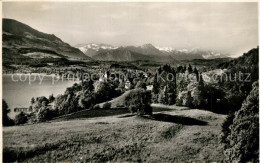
176, 135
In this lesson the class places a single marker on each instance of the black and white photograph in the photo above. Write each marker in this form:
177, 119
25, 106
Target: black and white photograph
122, 81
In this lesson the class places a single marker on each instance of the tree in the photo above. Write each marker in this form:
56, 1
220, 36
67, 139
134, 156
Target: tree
39, 102
196, 72
5, 110
87, 99
105, 91
139, 101
51, 98
155, 85
21, 118
67, 103
179, 69
243, 138
164, 88
197, 93
189, 69
32, 100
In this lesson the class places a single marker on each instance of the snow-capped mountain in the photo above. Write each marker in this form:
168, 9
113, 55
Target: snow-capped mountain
166, 49
91, 49
194, 53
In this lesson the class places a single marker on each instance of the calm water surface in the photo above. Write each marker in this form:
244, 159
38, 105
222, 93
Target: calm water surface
19, 93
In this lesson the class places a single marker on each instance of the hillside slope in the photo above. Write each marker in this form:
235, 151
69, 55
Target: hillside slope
181, 135
20, 39
248, 59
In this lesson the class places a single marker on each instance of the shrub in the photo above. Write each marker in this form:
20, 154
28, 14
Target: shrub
138, 101
45, 114
107, 105
21, 118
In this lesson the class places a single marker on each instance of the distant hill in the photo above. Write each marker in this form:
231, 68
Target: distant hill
248, 59
22, 41
123, 54
146, 49
119, 54
186, 54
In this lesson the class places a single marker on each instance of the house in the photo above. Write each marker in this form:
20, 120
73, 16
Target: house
23, 110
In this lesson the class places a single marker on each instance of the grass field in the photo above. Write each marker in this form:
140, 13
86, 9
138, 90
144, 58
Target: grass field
174, 134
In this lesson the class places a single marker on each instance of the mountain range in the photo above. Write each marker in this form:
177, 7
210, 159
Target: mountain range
91, 49
22, 41
145, 52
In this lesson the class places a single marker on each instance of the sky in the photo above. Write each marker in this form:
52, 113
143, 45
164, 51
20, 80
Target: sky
225, 27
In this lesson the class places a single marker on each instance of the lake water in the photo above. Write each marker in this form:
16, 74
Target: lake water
18, 89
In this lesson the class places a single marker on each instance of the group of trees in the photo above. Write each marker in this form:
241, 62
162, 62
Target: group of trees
21, 118
183, 86
5, 110
186, 87
190, 89
164, 85
241, 130
84, 96
78, 97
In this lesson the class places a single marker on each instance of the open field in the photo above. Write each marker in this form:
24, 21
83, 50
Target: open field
179, 134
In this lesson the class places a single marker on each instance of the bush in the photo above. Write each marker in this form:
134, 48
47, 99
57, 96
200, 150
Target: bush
107, 105
138, 101
45, 114
21, 118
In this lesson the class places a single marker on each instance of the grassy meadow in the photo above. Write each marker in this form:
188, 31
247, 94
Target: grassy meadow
174, 134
